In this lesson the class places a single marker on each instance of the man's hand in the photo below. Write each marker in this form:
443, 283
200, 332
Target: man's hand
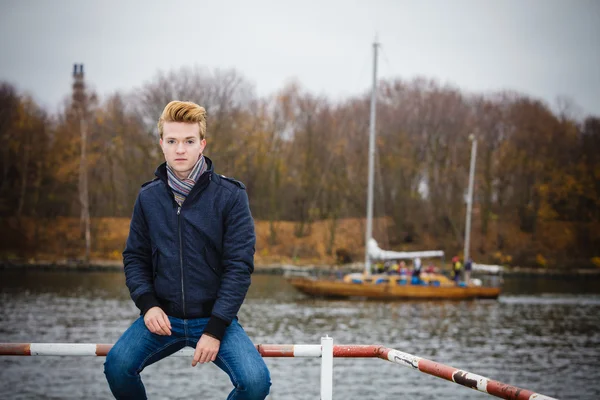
157, 321
206, 350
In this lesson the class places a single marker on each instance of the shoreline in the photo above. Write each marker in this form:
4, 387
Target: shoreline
267, 269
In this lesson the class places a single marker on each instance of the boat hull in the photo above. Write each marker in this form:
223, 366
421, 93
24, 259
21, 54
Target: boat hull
341, 289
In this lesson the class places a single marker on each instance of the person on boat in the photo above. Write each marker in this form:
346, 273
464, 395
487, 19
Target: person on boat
416, 275
403, 269
456, 268
386, 266
394, 268
468, 268
188, 260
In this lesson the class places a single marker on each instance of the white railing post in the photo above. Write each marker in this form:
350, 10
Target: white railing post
326, 368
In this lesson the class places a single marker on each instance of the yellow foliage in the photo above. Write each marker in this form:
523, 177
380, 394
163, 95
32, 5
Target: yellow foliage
547, 212
502, 258
541, 260
596, 261
264, 252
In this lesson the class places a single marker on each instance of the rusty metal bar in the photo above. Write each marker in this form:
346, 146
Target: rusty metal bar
15, 349
464, 378
460, 377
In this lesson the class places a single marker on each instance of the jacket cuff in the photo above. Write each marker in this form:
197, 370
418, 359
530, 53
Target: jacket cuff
146, 301
216, 327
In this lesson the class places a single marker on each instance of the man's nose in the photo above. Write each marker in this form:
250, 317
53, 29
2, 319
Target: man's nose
180, 148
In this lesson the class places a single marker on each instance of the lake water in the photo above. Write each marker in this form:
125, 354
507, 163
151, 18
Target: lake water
542, 335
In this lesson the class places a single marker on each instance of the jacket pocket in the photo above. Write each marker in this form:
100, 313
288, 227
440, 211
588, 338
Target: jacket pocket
213, 260
154, 262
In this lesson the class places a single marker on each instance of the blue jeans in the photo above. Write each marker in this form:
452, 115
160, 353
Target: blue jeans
138, 348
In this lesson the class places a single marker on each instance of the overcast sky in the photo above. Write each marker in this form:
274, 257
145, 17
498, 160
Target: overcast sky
544, 48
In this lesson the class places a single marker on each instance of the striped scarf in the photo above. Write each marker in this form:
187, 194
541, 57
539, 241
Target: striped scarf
182, 187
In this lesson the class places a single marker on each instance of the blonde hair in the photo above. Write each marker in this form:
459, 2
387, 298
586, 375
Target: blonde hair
183, 111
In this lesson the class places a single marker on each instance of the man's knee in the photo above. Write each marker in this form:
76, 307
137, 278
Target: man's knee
117, 365
257, 383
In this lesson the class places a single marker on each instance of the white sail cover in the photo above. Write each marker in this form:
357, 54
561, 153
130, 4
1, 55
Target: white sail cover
490, 269
377, 254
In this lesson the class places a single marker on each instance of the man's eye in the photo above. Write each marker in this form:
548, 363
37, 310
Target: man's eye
170, 141
190, 142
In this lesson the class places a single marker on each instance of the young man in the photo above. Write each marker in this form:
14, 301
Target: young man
188, 260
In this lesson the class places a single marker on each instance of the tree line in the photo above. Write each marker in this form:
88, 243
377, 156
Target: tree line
303, 158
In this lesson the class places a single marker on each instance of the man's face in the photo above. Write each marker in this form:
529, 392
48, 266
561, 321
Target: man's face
181, 146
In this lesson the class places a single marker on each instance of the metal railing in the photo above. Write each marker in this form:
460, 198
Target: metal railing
326, 351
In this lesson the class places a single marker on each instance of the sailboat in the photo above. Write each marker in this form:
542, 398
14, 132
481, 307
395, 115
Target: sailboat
384, 286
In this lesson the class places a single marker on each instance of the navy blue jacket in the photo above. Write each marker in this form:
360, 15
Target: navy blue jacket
193, 261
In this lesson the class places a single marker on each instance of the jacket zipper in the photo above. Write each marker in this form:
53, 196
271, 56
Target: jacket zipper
181, 258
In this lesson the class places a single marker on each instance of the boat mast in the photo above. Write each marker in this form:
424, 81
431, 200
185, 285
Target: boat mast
369, 232
470, 198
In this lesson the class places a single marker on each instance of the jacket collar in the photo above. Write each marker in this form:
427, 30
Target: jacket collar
161, 172
201, 183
